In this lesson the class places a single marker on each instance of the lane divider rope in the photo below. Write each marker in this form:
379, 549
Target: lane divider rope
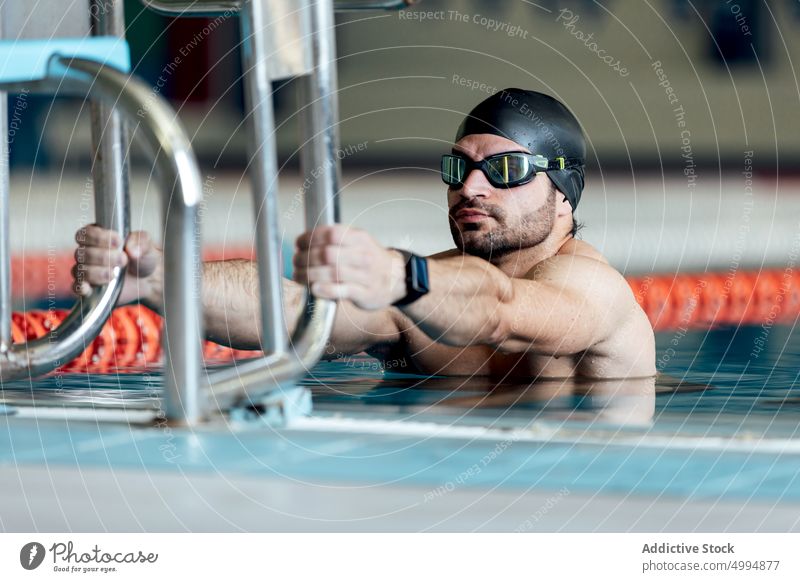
132, 336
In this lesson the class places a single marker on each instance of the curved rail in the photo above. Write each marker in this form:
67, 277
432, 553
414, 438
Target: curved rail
173, 156
320, 121
168, 145
182, 194
85, 321
215, 7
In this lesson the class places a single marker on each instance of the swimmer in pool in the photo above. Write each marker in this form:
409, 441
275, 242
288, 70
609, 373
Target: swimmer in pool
518, 297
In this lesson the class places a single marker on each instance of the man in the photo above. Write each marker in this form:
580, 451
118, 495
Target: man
519, 296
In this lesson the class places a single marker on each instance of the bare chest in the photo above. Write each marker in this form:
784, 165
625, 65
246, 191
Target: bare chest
630, 351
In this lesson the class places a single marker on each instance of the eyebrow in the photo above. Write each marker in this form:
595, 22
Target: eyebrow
454, 151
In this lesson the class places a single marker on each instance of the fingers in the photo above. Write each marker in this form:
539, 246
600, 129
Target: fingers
81, 289
332, 274
333, 291
340, 262
84, 277
359, 295
93, 235
101, 254
138, 244
144, 257
99, 246
98, 254
100, 257
328, 255
336, 234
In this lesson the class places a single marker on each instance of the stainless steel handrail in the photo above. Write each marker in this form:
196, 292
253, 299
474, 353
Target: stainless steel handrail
111, 211
321, 142
109, 136
216, 7
318, 155
182, 194
168, 145
170, 148
86, 320
5, 234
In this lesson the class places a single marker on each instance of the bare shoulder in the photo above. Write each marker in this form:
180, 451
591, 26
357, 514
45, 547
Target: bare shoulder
446, 254
580, 268
581, 248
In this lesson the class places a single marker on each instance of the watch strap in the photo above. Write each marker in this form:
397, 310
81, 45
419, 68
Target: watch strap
417, 283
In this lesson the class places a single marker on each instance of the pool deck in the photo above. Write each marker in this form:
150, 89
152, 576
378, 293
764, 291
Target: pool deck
380, 471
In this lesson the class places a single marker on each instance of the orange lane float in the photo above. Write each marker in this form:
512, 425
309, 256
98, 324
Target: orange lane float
132, 336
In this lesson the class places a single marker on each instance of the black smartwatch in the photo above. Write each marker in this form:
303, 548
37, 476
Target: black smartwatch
417, 283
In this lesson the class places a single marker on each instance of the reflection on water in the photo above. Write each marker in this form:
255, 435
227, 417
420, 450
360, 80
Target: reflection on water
707, 372
620, 401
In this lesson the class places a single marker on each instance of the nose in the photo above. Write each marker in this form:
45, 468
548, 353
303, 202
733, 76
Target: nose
475, 185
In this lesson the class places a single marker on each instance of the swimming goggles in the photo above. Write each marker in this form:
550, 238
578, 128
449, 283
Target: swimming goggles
504, 170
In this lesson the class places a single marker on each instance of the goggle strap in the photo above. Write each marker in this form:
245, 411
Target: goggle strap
562, 163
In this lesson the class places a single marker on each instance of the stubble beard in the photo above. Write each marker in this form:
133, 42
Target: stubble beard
502, 239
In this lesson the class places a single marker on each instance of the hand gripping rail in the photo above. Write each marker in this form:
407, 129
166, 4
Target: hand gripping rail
280, 39
94, 67
306, 23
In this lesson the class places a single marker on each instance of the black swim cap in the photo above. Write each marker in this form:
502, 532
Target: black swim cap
538, 122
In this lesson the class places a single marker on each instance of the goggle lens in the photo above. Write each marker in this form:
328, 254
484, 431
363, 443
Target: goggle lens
508, 169
502, 170
454, 169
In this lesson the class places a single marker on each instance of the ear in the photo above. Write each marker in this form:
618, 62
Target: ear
563, 207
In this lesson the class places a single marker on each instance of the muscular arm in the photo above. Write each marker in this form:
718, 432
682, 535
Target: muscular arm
565, 305
230, 303
231, 311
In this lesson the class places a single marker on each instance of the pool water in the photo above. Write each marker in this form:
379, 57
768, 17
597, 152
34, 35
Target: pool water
717, 376
718, 424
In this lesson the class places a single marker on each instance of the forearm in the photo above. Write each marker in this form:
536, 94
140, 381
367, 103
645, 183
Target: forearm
231, 309
230, 302
466, 304
231, 312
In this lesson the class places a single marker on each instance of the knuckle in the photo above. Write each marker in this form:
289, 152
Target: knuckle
335, 234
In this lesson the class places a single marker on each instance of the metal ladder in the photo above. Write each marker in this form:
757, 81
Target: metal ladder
91, 60
281, 39
94, 63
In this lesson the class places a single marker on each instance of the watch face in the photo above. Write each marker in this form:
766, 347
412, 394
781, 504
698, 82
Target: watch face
419, 276
416, 278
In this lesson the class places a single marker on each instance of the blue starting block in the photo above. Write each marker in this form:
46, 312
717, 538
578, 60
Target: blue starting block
34, 60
